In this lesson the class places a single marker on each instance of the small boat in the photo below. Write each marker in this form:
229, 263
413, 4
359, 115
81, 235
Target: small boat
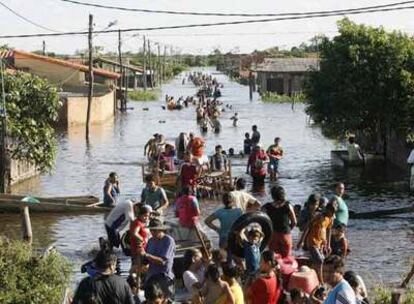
380, 213
340, 158
14, 203
217, 182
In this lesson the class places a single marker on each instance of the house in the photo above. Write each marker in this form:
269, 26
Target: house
134, 75
284, 75
72, 80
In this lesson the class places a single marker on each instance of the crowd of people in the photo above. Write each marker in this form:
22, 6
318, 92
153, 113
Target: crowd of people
255, 275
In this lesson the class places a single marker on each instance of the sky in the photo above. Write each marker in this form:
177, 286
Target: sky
62, 16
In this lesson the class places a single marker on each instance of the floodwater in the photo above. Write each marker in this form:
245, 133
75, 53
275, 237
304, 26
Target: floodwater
381, 249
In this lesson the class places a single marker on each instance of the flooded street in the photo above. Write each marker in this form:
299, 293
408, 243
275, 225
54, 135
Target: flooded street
380, 248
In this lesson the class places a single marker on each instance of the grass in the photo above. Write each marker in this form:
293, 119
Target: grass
148, 95
276, 98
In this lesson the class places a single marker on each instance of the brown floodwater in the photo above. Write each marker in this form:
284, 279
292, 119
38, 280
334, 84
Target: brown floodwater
381, 248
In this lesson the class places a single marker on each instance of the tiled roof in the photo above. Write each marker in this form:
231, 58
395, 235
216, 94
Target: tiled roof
287, 65
17, 54
127, 66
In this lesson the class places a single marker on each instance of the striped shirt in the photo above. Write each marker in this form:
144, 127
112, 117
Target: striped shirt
342, 293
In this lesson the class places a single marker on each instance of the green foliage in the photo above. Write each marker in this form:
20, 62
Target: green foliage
32, 106
148, 95
26, 277
365, 82
277, 98
382, 295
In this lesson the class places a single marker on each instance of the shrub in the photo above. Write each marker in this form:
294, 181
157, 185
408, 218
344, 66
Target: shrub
28, 277
149, 95
277, 98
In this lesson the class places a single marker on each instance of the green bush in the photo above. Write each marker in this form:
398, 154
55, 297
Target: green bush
149, 95
382, 295
27, 277
277, 98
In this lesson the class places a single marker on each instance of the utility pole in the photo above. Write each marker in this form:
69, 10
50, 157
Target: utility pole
145, 66
150, 65
163, 64
44, 48
4, 165
121, 71
159, 66
90, 91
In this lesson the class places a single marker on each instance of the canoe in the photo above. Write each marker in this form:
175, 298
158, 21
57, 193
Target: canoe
15, 205
78, 200
340, 158
380, 213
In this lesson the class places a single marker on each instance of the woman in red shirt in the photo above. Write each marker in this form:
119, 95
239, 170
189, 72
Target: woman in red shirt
257, 165
139, 236
266, 288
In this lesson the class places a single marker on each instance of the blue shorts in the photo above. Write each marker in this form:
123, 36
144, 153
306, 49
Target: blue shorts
273, 164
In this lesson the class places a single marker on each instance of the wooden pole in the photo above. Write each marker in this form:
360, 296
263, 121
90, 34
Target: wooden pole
44, 48
4, 158
145, 66
121, 71
396, 297
90, 91
26, 225
203, 244
150, 65
163, 63
251, 85
159, 66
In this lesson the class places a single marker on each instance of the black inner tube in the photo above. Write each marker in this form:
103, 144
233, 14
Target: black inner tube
242, 222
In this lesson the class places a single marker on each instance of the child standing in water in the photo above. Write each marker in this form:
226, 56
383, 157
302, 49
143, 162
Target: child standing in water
247, 144
339, 243
235, 119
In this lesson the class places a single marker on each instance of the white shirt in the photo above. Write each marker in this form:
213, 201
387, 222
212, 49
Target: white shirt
353, 152
190, 278
121, 215
242, 199
410, 159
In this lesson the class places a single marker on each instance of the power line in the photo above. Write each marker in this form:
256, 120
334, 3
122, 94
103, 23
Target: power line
28, 20
141, 10
210, 24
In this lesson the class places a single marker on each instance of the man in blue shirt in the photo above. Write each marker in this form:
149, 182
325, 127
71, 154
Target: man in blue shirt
341, 292
160, 253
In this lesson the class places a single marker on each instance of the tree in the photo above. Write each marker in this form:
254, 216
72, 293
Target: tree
365, 83
32, 106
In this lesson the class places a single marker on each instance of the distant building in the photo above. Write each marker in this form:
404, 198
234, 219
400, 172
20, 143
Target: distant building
284, 75
72, 80
134, 75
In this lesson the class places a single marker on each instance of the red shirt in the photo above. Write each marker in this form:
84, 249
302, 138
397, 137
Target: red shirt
135, 248
187, 210
188, 175
265, 290
256, 158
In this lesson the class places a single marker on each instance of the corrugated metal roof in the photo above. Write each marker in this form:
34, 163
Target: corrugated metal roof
287, 65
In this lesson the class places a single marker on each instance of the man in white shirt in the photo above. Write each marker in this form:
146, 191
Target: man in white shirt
355, 154
119, 217
245, 201
410, 161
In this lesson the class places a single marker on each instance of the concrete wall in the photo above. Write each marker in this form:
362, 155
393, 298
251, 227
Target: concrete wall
54, 73
292, 82
76, 107
21, 170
